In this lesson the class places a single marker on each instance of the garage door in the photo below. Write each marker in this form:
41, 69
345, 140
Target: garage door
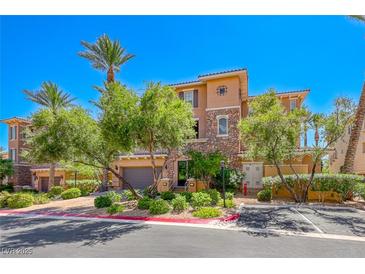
139, 177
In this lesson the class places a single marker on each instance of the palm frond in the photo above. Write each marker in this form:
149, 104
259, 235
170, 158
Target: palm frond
360, 18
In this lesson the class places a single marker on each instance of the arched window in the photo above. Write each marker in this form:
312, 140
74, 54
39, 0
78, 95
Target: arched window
222, 122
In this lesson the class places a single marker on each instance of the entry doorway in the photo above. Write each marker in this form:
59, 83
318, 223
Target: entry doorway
254, 173
183, 172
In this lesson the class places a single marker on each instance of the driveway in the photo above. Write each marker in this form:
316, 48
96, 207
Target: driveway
324, 220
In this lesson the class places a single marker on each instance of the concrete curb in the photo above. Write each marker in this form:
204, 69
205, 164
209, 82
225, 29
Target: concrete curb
229, 218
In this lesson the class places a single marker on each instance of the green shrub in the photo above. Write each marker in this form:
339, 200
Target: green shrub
55, 191
84, 192
264, 195
20, 200
7, 188
29, 190
128, 195
86, 185
115, 197
179, 203
115, 208
232, 180
71, 193
214, 195
167, 195
200, 199
187, 195
4, 195
229, 203
229, 195
344, 184
360, 190
207, 212
144, 203
102, 201
40, 198
159, 207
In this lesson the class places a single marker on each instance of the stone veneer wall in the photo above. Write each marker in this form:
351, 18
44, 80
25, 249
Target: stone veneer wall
22, 175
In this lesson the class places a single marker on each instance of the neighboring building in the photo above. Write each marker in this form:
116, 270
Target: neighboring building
220, 101
337, 156
16, 143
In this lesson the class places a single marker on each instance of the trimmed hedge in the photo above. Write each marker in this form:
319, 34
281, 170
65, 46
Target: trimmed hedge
4, 196
188, 195
71, 193
200, 199
55, 191
179, 203
102, 201
214, 195
20, 200
207, 212
40, 198
167, 195
159, 207
264, 195
86, 186
344, 184
144, 203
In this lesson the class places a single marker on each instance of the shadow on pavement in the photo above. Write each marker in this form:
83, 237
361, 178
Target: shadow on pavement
52, 231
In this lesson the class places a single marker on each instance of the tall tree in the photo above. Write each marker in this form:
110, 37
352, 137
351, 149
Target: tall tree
165, 122
6, 169
97, 143
106, 55
52, 100
359, 121
272, 134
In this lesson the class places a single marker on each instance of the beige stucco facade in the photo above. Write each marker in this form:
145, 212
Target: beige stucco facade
337, 155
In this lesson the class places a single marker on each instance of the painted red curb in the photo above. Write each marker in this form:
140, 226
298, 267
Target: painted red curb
127, 218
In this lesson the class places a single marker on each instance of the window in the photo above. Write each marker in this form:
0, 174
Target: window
196, 129
293, 104
221, 90
13, 132
222, 125
189, 97
13, 154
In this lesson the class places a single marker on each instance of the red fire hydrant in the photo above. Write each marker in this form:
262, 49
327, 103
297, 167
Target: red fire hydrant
245, 189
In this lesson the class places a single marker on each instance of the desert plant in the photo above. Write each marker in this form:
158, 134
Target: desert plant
159, 207
4, 195
115, 197
20, 200
128, 195
207, 212
102, 201
214, 195
167, 195
229, 203
115, 208
179, 203
40, 198
200, 199
55, 191
144, 203
187, 195
264, 195
71, 193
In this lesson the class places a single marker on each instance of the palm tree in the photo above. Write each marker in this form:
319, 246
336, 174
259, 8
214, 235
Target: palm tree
105, 55
54, 99
109, 56
360, 18
348, 166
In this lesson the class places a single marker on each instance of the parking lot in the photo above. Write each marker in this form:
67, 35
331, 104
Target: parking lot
344, 221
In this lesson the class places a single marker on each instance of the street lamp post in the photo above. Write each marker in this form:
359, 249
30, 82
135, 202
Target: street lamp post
75, 177
224, 184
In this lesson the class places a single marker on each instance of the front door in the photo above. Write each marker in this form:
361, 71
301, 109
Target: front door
44, 184
254, 173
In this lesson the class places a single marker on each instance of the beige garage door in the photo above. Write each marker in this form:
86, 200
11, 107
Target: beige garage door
139, 177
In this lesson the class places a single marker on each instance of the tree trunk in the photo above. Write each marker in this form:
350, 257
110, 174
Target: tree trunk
110, 76
348, 166
52, 171
105, 182
292, 192
135, 194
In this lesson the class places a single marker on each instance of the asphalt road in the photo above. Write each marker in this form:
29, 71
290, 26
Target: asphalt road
42, 237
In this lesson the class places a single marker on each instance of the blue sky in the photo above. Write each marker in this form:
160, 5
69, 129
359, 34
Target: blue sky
323, 53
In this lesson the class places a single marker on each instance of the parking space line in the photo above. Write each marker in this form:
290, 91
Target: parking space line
308, 221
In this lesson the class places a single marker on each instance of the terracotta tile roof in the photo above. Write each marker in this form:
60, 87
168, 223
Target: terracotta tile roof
221, 72
184, 83
286, 92
15, 118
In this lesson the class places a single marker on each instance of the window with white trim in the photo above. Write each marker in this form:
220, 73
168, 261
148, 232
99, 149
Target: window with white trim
293, 104
222, 122
13, 155
189, 97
